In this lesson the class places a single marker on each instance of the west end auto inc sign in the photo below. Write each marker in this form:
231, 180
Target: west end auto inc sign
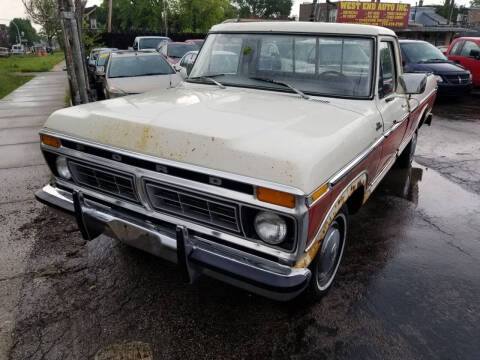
393, 15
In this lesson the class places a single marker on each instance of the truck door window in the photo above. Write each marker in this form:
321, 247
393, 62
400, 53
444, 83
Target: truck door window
468, 47
456, 48
388, 73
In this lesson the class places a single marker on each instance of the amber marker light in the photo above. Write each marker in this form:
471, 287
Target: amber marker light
50, 140
319, 192
276, 197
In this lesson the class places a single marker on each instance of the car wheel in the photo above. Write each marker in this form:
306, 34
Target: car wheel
405, 159
325, 265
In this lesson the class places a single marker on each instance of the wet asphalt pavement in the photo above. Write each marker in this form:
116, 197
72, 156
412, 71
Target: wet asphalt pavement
408, 287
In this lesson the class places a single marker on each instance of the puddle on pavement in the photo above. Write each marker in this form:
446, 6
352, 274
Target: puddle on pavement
431, 192
127, 351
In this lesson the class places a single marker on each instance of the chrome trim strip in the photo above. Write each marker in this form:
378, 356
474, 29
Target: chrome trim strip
161, 161
351, 165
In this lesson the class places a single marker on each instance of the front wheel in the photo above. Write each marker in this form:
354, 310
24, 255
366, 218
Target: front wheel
406, 157
325, 265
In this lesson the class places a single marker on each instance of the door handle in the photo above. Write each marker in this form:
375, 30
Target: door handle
390, 99
378, 126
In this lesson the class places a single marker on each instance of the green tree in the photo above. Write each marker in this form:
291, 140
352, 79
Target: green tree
27, 32
475, 3
45, 14
198, 16
265, 9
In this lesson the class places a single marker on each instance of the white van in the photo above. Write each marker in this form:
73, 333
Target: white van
18, 49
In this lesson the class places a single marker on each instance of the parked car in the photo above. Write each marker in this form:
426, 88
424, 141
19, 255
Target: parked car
421, 56
174, 51
18, 49
466, 52
92, 61
99, 73
4, 52
184, 66
149, 43
197, 42
249, 176
131, 72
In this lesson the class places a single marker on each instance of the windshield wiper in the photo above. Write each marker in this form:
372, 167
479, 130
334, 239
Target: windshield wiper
272, 81
209, 78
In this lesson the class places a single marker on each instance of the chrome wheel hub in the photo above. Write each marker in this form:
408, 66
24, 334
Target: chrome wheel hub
329, 252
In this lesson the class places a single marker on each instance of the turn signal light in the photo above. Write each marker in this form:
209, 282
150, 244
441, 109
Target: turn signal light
276, 197
319, 192
50, 140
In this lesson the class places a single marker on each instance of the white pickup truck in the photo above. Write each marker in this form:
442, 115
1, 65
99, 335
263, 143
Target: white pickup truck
249, 170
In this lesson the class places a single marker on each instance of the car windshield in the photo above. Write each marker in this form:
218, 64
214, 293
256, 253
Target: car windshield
422, 53
150, 43
131, 66
178, 50
318, 65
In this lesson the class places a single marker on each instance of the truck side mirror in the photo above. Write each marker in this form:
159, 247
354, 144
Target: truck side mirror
413, 83
475, 54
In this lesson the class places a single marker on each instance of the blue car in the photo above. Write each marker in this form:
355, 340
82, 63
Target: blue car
420, 56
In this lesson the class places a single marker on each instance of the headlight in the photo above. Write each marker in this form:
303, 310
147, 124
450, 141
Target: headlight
270, 227
438, 78
62, 168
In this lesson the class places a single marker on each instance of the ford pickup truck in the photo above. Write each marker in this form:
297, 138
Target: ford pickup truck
249, 170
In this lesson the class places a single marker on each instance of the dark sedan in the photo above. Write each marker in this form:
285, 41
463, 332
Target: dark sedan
421, 56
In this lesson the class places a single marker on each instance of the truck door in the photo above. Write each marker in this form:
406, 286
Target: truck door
392, 106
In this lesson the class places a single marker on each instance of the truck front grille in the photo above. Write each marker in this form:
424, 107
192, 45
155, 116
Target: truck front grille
458, 79
106, 181
195, 207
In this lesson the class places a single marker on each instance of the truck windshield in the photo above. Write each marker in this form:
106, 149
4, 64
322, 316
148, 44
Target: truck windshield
318, 65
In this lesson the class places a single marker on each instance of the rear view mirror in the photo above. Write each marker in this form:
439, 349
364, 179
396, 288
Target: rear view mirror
413, 83
475, 54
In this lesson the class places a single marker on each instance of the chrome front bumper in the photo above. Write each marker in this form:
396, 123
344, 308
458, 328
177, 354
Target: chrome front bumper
194, 253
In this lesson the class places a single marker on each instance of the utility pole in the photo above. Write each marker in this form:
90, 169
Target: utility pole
313, 15
18, 32
165, 16
109, 18
73, 52
450, 12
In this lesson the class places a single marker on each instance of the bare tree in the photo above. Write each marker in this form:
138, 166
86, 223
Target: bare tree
45, 14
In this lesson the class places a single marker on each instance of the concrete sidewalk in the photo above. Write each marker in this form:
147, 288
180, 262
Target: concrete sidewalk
22, 171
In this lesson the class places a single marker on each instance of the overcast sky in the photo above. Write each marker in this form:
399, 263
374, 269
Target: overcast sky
10, 9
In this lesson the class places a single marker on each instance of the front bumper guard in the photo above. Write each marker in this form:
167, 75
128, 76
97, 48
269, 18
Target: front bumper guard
194, 254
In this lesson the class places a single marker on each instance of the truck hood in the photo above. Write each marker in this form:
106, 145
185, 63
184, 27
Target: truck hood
141, 84
273, 136
437, 68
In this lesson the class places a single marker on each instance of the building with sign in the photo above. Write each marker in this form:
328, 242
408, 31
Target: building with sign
420, 22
